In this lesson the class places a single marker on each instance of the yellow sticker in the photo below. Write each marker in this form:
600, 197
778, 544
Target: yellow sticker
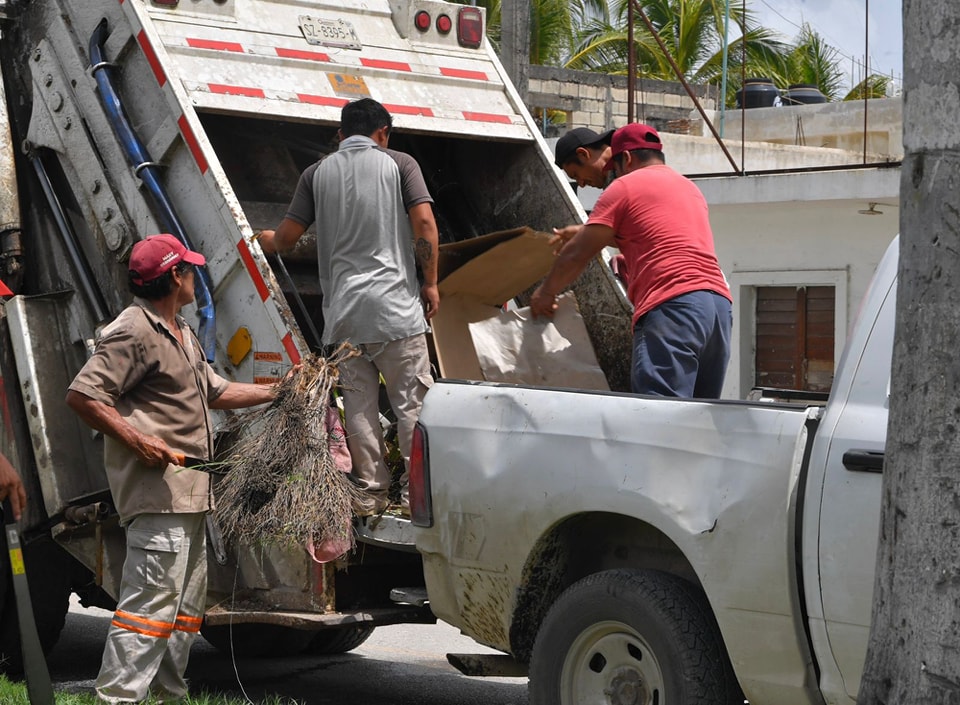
348, 86
16, 561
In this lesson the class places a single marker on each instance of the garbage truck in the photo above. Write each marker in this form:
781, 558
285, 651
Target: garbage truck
124, 118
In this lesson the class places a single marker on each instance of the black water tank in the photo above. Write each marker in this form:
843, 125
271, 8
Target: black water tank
758, 93
803, 94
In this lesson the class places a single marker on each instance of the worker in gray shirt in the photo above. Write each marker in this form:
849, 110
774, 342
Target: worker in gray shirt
374, 223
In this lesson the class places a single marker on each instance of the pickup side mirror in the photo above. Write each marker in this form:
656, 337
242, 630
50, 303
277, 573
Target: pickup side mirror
863, 460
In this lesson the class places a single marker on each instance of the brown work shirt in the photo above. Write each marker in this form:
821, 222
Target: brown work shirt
163, 389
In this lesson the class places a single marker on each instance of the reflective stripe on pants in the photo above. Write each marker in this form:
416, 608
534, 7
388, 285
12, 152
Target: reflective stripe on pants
162, 598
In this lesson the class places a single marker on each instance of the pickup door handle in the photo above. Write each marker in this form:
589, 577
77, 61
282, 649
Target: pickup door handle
863, 460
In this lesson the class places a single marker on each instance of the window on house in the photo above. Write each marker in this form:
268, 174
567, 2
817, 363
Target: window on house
795, 337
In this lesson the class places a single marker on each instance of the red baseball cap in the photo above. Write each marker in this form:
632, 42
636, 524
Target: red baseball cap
157, 254
636, 135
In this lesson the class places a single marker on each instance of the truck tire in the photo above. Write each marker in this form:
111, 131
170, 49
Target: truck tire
631, 638
49, 573
251, 640
339, 640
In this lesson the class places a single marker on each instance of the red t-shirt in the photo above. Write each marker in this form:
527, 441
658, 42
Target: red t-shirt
662, 229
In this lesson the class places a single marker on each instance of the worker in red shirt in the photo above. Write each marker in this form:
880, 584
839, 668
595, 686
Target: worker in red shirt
682, 305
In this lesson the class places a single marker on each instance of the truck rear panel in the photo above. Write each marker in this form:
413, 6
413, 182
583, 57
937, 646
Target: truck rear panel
231, 101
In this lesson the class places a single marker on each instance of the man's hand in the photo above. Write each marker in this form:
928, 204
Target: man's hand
154, 452
561, 236
11, 487
266, 240
287, 234
543, 304
431, 300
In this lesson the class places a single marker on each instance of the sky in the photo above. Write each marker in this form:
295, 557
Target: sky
842, 24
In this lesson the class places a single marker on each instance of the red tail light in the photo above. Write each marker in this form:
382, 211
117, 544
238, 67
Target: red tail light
444, 24
422, 20
470, 27
421, 504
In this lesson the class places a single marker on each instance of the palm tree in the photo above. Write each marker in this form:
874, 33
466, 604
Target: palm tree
875, 86
691, 30
553, 26
810, 61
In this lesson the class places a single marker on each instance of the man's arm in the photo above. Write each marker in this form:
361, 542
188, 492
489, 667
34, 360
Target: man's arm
283, 238
561, 236
425, 243
11, 487
238, 395
153, 451
571, 261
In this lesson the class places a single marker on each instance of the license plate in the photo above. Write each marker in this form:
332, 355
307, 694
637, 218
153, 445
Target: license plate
329, 33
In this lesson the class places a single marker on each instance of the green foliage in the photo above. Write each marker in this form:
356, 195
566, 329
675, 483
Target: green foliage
12, 693
874, 86
692, 32
591, 35
553, 26
809, 60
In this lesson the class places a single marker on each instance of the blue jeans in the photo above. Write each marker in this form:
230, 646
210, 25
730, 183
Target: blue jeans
681, 347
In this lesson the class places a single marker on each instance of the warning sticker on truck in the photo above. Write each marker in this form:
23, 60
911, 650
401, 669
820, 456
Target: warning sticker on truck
268, 367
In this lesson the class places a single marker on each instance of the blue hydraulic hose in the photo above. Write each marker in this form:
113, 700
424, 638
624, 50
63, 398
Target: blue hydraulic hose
148, 171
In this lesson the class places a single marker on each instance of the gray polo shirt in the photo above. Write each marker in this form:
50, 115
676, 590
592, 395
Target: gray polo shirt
162, 389
365, 253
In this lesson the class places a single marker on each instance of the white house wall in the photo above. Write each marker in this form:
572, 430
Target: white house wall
798, 230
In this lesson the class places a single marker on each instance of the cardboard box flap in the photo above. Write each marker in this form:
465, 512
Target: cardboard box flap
494, 268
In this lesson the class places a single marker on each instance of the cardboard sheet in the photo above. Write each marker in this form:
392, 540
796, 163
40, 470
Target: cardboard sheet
474, 339
515, 347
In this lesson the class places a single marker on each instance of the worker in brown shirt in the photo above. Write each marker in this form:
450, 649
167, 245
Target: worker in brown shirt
148, 389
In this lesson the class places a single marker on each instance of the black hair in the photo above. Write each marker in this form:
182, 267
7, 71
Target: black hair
642, 156
156, 288
363, 117
574, 156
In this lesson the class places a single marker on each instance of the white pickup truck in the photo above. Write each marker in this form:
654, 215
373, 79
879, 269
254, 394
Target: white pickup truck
645, 551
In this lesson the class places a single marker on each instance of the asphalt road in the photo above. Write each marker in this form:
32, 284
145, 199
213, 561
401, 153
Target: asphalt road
397, 665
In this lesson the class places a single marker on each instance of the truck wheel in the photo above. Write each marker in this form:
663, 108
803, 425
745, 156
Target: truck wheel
631, 638
339, 640
49, 573
250, 640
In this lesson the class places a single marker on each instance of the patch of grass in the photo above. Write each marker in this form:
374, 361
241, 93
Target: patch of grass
14, 693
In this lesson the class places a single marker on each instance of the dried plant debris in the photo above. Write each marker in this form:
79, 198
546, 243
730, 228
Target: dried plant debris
283, 484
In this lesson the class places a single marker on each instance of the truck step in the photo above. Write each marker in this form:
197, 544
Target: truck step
488, 665
410, 596
387, 531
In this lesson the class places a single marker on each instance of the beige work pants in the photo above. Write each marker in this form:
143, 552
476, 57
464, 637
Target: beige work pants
405, 367
162, 599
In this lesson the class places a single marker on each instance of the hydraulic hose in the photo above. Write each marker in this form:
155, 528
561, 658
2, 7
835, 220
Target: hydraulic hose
149, 173
69, 237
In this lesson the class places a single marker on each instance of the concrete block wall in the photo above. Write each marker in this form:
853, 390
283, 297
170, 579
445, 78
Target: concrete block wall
599, 101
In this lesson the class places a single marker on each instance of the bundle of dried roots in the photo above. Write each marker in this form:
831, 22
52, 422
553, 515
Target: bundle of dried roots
283, 484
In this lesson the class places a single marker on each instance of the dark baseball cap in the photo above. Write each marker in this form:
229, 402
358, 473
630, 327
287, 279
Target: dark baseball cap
636, 135
578, 137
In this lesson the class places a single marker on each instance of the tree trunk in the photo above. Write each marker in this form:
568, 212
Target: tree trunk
914, 652
515, 43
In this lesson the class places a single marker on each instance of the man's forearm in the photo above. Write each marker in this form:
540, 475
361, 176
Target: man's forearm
239, 395
103, 418
426, 239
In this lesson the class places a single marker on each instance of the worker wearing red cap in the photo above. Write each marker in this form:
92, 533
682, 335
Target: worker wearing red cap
148, 388
682, 305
